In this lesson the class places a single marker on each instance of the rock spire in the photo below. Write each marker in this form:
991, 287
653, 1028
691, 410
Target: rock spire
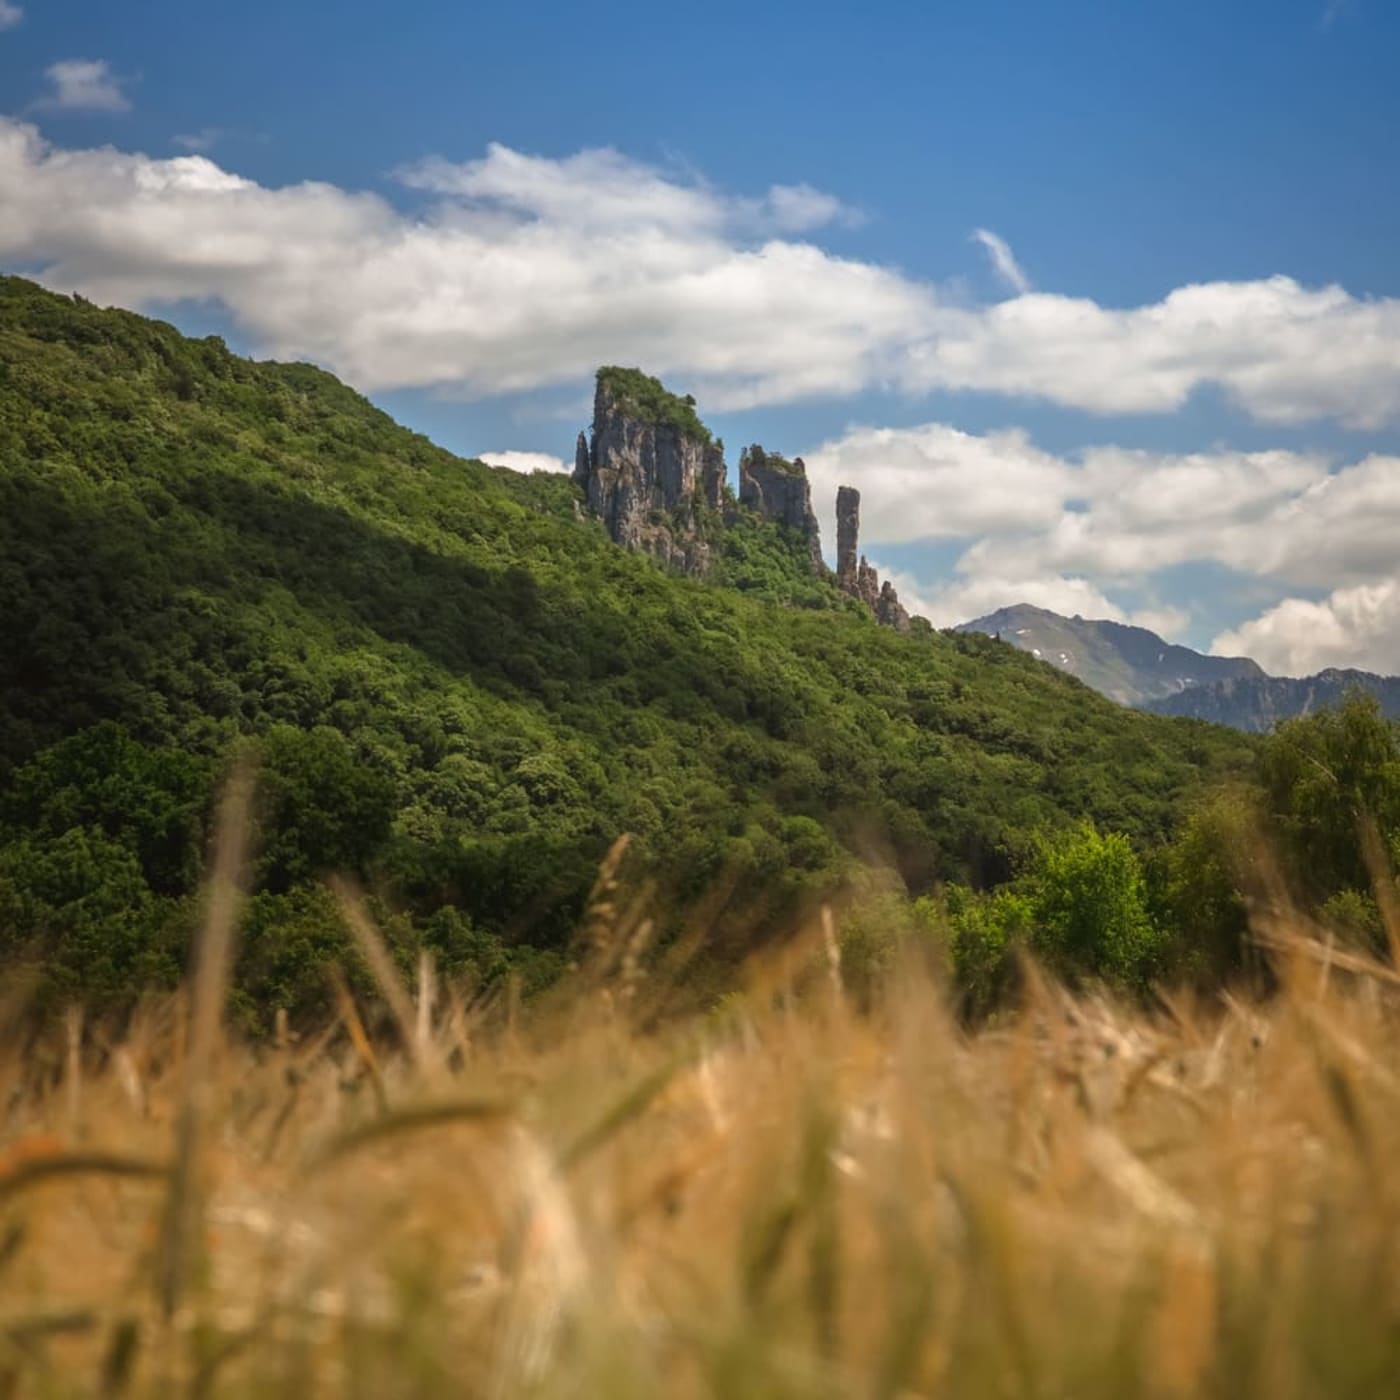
854, 575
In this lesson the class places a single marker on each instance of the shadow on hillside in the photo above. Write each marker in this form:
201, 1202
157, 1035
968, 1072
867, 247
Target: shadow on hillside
109, 592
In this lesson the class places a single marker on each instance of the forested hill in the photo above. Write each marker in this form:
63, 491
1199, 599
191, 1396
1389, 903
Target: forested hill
463, 690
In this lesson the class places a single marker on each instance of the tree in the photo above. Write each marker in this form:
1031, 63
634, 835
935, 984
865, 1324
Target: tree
323, 810
1326, 777
1204, 875
1089, 907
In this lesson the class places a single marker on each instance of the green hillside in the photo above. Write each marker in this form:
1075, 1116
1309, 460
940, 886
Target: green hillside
464, 691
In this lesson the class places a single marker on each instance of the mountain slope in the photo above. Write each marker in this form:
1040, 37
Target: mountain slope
1128, 664
464, 690
1257, 703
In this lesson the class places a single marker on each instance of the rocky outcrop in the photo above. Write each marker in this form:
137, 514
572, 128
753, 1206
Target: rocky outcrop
648, 473
777, 489
889, 612
847, 536
854, 575
652, 474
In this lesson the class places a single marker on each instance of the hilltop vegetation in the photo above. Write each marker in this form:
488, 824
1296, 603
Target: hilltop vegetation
647, 399
463, 691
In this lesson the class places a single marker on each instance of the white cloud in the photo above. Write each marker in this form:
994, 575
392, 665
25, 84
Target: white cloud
1167, 621
10, 15
205, 139
962, 599
1108, 511
526, 461
1069, 532
519, 271
1003, 260
514, 277
84, 85
604, 190
800, 208
1353, 627
1285, 353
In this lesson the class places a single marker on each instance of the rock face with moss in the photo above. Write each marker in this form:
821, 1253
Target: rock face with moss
654, 475
651, 470
854, 575
777, 489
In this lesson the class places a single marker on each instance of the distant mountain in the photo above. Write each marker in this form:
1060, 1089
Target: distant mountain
1257, 703
1128, 664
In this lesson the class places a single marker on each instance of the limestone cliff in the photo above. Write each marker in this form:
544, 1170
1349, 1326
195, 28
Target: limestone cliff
777, 488
652, 473
854, 575
650, 470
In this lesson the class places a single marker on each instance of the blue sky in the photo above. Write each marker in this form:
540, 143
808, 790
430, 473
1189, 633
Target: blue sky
1134, 419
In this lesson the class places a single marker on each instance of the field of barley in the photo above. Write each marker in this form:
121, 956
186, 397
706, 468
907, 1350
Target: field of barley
790, 1195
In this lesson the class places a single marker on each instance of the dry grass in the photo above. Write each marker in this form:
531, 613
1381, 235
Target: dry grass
786, 1199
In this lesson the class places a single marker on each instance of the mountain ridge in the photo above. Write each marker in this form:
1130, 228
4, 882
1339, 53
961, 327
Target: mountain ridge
1129, 664
1136, 667
1256, 704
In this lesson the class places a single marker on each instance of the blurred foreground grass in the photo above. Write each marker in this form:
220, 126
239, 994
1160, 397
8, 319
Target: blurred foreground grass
789, 1197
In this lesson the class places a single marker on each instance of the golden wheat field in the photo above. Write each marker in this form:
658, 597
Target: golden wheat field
789, 1196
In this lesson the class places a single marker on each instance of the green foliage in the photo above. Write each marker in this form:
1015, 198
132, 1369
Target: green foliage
78, 908
989, 932
1089, 907
773, 562
462, 691
149, 800
777, 462
1355, 915
1325, 779
324, 809
1201, 878
1080, 905
649, 401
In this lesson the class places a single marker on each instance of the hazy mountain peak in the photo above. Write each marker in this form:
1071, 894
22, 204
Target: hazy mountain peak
1129, 664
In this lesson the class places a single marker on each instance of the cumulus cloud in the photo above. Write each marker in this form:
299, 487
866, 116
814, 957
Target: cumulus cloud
1283, 352
514, 276
1109, 511
516, 271
1003, 260
84, 85
964, 598
526, 461
1069, 532
10, 15
1352, 627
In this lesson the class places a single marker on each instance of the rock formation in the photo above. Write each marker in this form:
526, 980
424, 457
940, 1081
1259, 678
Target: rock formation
650, 471
889, 612
778, 489
847, 536
652, 474
854, 575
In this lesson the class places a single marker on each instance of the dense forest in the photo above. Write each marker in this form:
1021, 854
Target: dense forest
461, 692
